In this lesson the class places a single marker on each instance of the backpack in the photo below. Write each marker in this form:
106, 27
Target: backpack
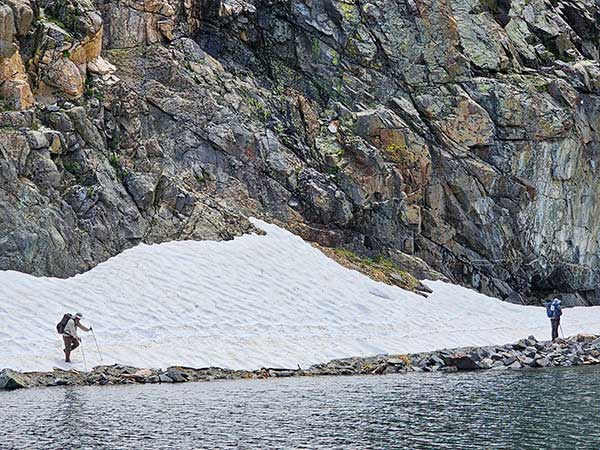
60, 326
553, 310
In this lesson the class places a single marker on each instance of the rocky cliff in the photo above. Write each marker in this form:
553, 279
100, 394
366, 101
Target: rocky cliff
461, 136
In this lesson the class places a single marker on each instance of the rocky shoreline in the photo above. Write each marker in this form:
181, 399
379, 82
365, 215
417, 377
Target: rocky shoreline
581, 349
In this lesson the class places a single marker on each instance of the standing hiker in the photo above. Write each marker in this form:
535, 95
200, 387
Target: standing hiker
68, 328
554, 311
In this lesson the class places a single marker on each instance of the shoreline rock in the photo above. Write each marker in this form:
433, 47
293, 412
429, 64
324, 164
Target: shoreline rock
529, 353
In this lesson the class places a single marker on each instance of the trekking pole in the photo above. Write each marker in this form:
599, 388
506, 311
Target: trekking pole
83, 354
561, 330
97, 346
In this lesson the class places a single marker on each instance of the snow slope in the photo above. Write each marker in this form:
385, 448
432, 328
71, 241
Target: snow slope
255, 301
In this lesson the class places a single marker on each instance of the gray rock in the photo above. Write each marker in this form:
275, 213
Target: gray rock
176, 375
496, 357
542, 362
396, 361
164, 378
526, 361
437, 360
509, 361
521, 344
10, 380
514, 366
486, 363
466, 362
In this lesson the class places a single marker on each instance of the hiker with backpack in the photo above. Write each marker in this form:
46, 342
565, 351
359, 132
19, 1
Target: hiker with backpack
554, 311
68, 328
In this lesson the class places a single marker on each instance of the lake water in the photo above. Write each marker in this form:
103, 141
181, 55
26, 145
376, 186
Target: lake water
555, 408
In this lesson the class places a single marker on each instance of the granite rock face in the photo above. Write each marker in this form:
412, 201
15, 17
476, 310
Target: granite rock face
461, 134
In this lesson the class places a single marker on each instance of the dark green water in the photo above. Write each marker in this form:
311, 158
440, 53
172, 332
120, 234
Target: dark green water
556, 408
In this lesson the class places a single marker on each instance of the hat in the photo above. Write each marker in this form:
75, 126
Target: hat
79, 315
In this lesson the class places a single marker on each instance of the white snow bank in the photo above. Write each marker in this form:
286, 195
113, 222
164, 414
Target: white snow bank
256, 301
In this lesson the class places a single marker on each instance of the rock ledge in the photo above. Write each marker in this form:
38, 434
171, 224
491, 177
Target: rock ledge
581, 349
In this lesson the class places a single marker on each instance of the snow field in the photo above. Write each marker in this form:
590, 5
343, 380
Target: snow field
256, 301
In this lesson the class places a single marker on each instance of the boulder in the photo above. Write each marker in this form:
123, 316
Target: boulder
531, 340
465, 362
11, 380
486, 363
139, 375
99, 66
542, 362
526, 361
176, 375
542, 345
515, 365
396, 361
496, 357
521, 344
587, 338
590, 360
64, 76
23, 14
437, 360
164, 378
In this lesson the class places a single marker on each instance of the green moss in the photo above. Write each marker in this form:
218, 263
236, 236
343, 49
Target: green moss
113, 159
542, 87
394, 148
335, 58
115, 162
334, 172
201, 176
5, 105
348, 11
258, 109
56, 22
91, 91
380, 269
396, 152
316, 47
72, 167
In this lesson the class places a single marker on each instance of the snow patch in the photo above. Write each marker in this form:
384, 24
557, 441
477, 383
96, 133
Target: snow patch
255, 301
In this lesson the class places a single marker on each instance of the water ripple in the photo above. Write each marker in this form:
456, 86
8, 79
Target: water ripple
555, 408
